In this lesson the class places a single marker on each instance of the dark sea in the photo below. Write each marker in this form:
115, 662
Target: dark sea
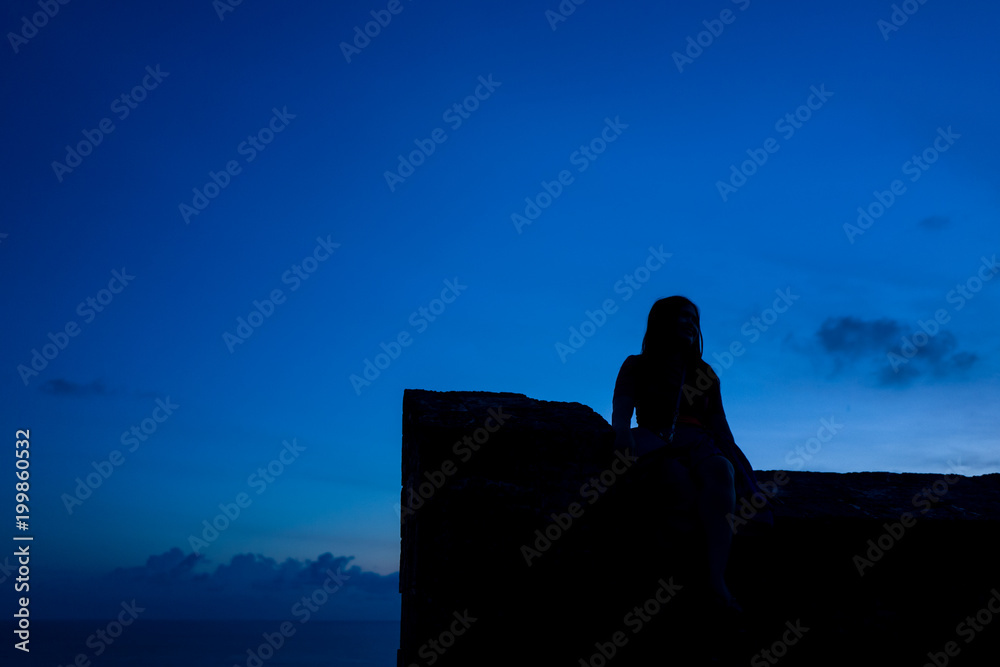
150, 643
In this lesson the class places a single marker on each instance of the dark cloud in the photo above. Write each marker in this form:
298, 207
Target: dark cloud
852, 337
891, 352
919, 354
935, 222
178, 585
964, 360
166, 568
61, 387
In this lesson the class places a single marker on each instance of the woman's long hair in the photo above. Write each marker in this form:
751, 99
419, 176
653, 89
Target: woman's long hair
662, 323
661, 367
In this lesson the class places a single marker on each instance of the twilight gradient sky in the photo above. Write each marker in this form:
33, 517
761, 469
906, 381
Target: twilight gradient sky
596, 100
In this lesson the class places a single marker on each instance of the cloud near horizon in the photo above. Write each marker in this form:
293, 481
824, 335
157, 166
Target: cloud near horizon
176, 585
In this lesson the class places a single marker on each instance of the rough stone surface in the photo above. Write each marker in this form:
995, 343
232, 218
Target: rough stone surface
501, 523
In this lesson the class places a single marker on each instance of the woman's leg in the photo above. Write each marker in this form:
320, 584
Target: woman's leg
716, 500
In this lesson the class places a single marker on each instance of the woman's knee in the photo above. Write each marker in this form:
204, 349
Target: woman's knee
715, 471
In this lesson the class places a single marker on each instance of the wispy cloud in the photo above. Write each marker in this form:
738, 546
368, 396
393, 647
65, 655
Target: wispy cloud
62, 387
68, 388
847, 339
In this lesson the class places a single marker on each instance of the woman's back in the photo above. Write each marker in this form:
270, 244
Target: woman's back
658, 388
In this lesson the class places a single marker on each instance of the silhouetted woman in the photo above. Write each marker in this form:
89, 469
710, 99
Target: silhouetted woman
678, 407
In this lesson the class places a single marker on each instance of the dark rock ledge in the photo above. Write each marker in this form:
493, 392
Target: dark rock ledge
511, 555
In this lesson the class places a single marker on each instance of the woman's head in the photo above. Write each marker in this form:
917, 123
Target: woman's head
674, 322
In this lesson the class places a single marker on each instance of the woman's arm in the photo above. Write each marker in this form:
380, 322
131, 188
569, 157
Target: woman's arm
622, 406
719, 425
621, 421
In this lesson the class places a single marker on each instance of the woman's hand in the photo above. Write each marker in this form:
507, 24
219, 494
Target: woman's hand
624, 440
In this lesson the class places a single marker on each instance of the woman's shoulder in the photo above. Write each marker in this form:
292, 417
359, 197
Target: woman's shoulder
629, 374
632, 362
705, 372
707, 367
635, 361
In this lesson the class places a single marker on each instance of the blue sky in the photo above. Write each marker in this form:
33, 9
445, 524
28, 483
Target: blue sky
732, 170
